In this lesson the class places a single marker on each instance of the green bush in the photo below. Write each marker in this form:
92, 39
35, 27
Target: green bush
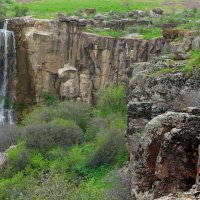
112, 100
108, 151
95, 126
20, 11
79, 113
9, 136
2, 11
18, 158
194, 61
48, 98
51, 134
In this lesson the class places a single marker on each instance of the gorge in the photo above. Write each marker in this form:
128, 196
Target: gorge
162, 134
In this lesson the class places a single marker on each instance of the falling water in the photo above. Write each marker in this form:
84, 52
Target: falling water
6, 40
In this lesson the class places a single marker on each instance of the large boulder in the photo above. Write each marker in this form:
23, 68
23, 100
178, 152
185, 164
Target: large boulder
69, 82
166, 159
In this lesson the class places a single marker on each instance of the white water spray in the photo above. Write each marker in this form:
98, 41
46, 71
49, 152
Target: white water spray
6, 38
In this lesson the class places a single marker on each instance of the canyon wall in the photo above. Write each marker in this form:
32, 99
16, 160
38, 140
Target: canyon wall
59, 57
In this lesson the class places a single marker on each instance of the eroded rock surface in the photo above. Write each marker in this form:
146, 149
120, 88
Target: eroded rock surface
165, 156
45, 46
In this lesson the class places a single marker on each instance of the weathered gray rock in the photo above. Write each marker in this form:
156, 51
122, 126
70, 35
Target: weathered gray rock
167, 155
69, 88
158, 11
62, 17
99, 17
165, 158
3, 162
90, 10
182, 55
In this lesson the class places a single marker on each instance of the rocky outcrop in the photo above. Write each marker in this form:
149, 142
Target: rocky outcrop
45, 46
3, 162
166, 158
162, 137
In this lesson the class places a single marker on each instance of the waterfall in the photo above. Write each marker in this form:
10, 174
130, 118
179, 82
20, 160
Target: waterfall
7, 67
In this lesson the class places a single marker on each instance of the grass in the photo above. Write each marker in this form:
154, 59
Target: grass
104, 32
163, 71
193, 62
146, 32
150, 32
50, 8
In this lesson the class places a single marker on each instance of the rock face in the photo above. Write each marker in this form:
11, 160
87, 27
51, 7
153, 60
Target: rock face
3, 162
162, 137
45, 46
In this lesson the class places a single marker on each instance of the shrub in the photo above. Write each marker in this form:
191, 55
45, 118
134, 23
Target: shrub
18, 158
78, 112
121, 186
193, 62
51, 134
8, 136
112, 100
48, 98
20, 11
108, 151
95, 126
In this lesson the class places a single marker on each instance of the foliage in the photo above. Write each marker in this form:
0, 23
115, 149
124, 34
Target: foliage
104, 31
18, 157
20, 11
150, 32
51, 134
2, 9
113, 100
79, 113
67, 149
107, 152
194, 61
163, 71
9, 136
48, 98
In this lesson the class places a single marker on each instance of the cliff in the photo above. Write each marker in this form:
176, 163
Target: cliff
45, 46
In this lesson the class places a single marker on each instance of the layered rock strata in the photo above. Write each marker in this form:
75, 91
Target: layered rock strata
45, 46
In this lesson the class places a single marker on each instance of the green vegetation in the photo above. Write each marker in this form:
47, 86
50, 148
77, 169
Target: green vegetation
194, 61
50, 8
104, 32
9, 8
146, 32
67, 150
164, 71
150, 32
